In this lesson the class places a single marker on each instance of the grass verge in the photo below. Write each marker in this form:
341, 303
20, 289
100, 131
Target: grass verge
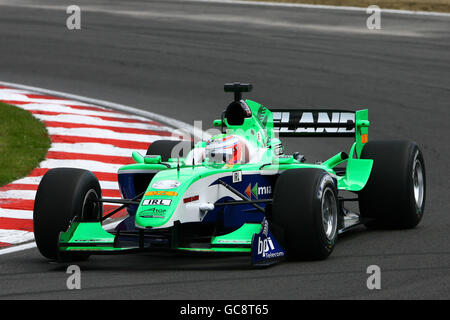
414, 5
24, 142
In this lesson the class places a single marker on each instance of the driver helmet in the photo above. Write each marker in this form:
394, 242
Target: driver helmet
224, 149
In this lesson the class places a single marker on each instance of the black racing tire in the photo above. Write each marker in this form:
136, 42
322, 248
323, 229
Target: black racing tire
164, 148
61, 196
298, 209
394, 196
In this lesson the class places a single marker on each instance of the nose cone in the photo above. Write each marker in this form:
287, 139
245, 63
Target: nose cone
154, 216
157, 206
159, 201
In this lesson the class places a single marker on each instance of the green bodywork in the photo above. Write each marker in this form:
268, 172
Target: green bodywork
257, 130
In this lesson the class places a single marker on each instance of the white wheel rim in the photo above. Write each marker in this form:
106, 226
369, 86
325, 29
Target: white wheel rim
91, 191
418, 183
329, 213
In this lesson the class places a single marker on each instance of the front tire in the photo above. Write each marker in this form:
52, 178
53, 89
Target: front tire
394, 196
305, 206
62, 195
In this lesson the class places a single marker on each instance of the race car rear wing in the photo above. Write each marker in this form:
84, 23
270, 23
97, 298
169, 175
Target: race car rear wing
322, 123
313, 123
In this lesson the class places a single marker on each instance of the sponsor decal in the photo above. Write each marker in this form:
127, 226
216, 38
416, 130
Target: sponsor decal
190, 199
265, 249
162, 193
166, 184
295, 118
278, 149
364, 138
92, 240
153, 213
248, 191
246, 109
262, 116
152, 216
257, 191
259, 137
322, 185
264, 246
237, 176
156, 202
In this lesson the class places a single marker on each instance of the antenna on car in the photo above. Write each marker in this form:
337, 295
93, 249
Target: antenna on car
237, 88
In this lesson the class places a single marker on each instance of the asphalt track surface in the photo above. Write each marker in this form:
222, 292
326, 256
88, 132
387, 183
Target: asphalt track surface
173, 57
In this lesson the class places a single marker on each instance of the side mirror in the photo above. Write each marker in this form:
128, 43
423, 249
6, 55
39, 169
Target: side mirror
149, 159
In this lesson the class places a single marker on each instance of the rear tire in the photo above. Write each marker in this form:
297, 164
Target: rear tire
164, 149
394, 196
305, 207
62, 195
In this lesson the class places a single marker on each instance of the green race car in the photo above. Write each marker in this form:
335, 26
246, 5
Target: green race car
238, 192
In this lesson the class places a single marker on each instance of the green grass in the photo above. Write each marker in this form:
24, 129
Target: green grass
415, 5
24, 143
